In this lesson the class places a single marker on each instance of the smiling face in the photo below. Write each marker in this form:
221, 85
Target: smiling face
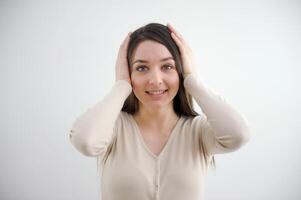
154, 76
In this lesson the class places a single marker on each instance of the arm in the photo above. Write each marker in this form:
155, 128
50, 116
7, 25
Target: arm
223, 128
92, 132
226, 129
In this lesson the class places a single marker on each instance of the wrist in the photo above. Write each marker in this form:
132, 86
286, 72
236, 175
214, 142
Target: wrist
186, 74
124, 79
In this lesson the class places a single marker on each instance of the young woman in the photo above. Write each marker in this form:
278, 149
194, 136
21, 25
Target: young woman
150, 142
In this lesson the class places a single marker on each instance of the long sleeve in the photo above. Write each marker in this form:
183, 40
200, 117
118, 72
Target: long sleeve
223, 128
92, 131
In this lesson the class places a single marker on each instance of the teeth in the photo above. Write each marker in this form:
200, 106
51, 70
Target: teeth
156, 92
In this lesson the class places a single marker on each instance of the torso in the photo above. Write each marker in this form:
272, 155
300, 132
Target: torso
155, 138
131, 172
154, 142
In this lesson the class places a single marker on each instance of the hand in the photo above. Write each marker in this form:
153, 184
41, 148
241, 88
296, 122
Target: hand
121, 67
189, 65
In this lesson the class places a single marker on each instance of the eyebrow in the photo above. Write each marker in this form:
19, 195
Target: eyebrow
145, 61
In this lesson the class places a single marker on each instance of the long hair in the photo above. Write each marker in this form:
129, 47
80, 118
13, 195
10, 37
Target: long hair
182, 102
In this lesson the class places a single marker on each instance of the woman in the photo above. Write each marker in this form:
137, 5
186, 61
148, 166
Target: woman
150, 142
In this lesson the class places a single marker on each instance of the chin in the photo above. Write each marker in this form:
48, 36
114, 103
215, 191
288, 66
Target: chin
158, 105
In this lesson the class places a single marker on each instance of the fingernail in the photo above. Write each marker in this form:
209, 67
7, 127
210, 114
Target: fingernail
168, 27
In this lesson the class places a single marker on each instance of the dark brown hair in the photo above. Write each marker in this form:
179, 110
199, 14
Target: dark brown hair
182, 102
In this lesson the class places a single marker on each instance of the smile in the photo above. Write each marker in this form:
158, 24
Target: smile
156, 92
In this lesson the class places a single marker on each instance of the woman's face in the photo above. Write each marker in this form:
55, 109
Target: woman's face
154, 76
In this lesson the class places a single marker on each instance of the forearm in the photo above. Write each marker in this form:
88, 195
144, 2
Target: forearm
92, 131
230, 128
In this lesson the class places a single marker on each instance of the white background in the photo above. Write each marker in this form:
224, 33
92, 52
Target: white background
57, 58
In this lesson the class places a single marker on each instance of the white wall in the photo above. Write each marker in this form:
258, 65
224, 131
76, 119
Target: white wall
57, 58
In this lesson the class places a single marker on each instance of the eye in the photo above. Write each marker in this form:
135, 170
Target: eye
141, 68
168, 67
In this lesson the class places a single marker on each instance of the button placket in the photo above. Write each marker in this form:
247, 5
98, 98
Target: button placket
157, 179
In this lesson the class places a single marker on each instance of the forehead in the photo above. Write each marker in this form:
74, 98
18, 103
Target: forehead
150, 51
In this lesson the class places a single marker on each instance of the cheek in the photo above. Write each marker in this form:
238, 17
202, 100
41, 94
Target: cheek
137, 82
140, 82
174, 81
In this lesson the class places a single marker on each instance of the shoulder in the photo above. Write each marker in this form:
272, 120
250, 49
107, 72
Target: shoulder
195, 125
123, 118
196, 121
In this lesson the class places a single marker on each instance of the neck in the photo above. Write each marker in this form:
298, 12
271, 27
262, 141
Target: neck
156, 118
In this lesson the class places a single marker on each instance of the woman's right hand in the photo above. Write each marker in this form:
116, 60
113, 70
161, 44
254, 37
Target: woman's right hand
121, 67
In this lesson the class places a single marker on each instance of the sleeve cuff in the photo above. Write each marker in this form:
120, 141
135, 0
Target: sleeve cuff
123, 86
192, 83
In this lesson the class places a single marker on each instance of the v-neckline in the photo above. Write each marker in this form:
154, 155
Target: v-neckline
138, 132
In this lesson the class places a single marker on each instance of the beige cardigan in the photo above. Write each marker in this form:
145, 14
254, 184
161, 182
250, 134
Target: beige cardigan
130, 171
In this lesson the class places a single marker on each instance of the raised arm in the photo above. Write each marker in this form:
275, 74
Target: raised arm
92, 132
223, 128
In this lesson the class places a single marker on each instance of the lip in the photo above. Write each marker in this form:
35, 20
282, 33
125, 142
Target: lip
156, 96
148, 91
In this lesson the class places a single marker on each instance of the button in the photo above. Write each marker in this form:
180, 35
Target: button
157, 186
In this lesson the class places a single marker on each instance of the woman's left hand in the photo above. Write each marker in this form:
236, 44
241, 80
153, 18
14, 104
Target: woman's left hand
189, 65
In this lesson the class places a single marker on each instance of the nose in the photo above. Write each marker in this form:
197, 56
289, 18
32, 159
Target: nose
155, 77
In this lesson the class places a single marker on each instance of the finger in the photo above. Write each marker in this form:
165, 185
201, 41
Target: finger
126, 40
124, 45
172, 29
177, 40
